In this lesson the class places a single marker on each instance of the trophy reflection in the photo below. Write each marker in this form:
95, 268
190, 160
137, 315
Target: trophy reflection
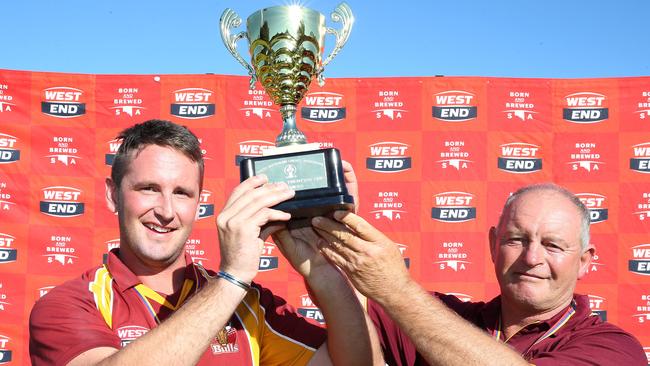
285, 45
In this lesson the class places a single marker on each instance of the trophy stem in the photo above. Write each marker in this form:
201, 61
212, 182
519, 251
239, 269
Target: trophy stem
290, 134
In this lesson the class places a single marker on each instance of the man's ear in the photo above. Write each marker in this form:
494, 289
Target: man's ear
493, 243
112, 196
585, 260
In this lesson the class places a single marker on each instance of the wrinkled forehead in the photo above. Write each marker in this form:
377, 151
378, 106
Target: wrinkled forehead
539, 207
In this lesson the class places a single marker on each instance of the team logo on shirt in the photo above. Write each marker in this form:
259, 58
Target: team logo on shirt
585, 107
388, 157
225, 341
251, 148
641, 160
455, 106
519, 157
597, 205
206, 209
323, 107
268, 261
130, 333
5, 351
640, 262
309, 310
597, 305
61, 201
192, 103
7, 253
453, 207
9, 152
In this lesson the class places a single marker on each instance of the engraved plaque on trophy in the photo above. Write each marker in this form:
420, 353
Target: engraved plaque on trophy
285, 45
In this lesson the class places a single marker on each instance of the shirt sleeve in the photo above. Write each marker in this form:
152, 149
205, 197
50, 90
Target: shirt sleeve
63, 324
610, 346
285, 337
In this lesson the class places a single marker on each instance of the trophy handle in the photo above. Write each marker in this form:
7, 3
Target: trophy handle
230, 19
342, 14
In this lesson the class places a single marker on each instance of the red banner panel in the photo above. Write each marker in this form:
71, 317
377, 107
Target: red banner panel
435, 159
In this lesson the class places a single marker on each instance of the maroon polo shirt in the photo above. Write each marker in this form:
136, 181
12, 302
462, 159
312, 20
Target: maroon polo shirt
583, 339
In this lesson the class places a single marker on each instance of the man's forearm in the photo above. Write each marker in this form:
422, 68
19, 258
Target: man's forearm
439, 334
351, 337
183, 337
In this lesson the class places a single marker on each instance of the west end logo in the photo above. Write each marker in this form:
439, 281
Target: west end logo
252, 148
192, 103
63, 102
454, 106
130, 333
61, 201
596, 203
7, 253
268, 261
206, 209
453, 207
640, 262
388, 157
5, 352
309, 310
641, 160
402, 250
9, 153
519, 157
597, 306
323, 107
113, 146
585, 107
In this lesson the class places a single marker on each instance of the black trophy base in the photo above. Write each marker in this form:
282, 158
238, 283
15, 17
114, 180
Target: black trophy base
315, 175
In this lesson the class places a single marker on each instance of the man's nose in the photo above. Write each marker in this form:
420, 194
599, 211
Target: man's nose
164, 208
533, 253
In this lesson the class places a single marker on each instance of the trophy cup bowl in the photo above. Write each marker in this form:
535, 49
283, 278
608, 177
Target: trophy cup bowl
285, 46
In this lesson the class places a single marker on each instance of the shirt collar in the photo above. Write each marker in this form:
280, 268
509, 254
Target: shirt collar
125, 278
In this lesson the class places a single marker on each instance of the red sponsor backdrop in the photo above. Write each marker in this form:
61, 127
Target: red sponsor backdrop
435, 157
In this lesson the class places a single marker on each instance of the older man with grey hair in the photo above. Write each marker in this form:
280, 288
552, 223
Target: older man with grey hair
540, 249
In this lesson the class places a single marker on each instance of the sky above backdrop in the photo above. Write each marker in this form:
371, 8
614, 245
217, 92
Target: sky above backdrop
541, 39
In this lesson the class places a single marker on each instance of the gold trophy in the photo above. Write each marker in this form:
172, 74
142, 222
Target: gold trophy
285, 44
